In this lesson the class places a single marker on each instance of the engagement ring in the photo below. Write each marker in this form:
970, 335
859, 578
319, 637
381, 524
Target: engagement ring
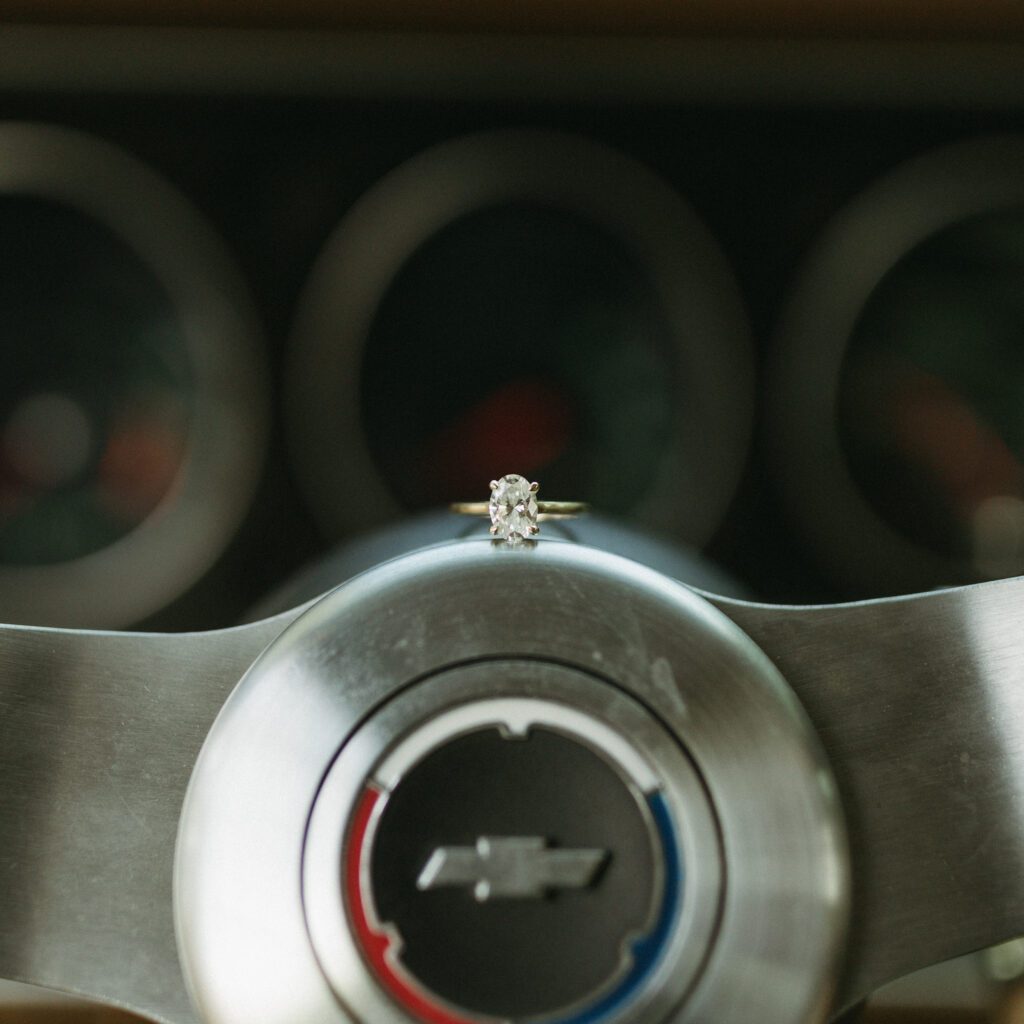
514, 510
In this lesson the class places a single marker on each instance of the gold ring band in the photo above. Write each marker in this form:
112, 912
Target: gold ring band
545, 509
514, 510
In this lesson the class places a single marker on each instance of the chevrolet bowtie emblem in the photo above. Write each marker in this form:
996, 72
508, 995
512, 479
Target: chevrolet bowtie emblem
510, 867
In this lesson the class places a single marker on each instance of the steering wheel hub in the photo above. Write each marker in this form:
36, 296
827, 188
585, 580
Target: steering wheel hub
592, 813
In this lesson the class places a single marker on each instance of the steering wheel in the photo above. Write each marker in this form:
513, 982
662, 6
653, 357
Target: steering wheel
544, 783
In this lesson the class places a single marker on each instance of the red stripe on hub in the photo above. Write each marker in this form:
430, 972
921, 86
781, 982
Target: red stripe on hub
374, 944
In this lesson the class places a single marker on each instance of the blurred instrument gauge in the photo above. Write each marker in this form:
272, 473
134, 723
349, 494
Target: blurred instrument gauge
96, 396
521, 301
931, 411
901, 376
131, 405
538, 343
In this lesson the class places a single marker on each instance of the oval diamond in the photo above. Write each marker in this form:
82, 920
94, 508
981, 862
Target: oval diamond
513, 508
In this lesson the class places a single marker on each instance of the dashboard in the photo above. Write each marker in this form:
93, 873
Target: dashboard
270, 284
688, 316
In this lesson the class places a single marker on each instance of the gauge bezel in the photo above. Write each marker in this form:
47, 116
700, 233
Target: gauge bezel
858, 248
687, 269
178, 541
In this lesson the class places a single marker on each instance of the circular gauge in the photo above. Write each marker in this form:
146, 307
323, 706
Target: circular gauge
527, 301
131, 407
899, 384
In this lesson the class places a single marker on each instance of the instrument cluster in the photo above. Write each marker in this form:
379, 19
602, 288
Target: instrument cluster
237, 331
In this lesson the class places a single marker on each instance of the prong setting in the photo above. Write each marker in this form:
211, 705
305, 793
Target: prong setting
513, 509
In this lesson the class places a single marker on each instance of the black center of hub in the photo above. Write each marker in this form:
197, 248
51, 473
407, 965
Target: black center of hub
517, 871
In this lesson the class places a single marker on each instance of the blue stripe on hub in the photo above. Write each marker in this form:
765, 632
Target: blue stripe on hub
646, 950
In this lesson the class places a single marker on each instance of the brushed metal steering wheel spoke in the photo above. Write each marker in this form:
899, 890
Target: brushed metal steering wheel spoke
98, 736
919, 702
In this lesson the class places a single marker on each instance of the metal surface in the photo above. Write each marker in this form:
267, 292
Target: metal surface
919, 702
244, 938
685, 564
98, 735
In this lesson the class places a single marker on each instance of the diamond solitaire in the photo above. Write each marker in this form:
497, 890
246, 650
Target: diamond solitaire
513, 508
